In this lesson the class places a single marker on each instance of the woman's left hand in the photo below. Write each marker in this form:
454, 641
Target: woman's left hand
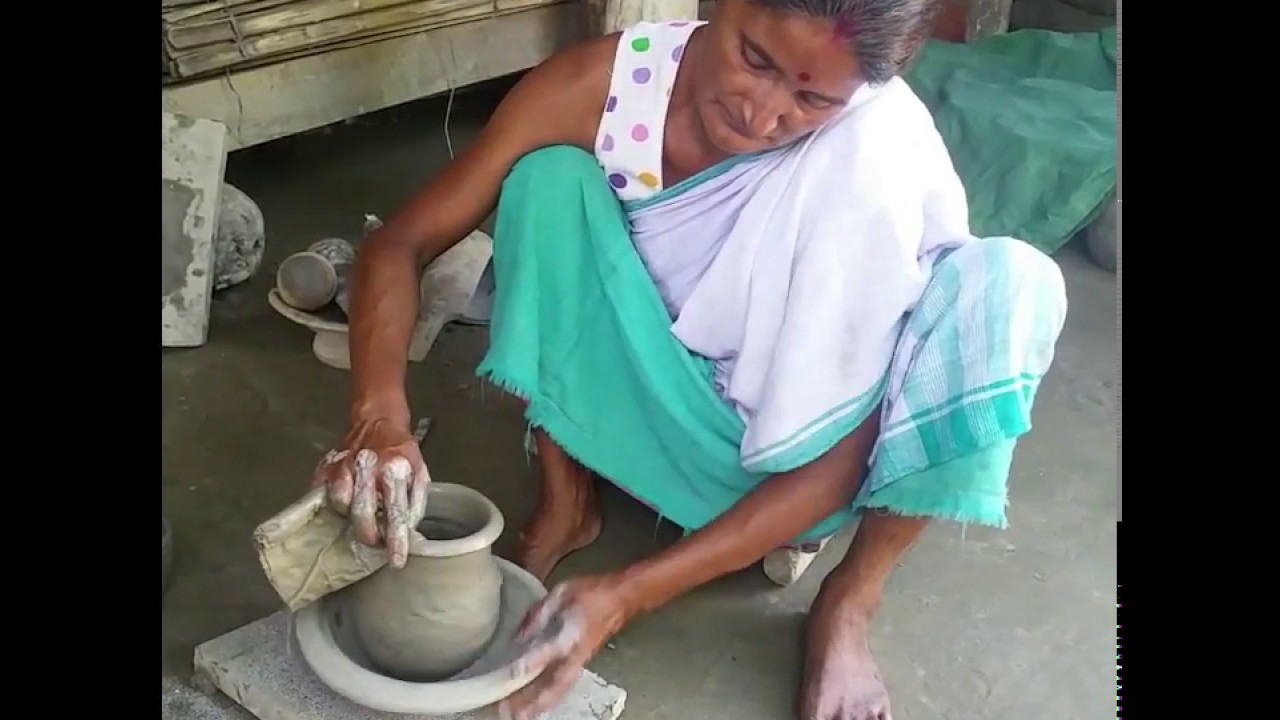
559, 636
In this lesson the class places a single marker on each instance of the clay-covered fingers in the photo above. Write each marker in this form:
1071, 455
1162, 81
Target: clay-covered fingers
369, 489
364, 498
334, 473
535, 621
552, 651
418, 487
557, 638
547, 649
551, 634
543, 694
394, 478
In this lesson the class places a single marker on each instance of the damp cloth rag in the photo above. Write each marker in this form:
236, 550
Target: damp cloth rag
308, 550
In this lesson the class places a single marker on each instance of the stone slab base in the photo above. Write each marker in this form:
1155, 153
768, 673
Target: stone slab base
179, 701
260, 667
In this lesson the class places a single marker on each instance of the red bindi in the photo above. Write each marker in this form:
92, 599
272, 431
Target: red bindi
804, 77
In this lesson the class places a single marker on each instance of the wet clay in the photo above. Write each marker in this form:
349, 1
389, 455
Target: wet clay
436, 615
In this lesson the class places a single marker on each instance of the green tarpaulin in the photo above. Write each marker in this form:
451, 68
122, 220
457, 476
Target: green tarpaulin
1030, 120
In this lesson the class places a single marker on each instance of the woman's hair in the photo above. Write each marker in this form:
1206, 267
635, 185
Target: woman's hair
884, 34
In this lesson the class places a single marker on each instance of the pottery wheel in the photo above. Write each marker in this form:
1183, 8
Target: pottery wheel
328, 640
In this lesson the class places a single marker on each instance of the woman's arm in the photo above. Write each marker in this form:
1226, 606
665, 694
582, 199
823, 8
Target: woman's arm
774, 513
557, 103
564, 630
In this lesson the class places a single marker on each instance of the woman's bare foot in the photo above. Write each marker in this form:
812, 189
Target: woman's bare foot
567, 517
841, 680
556, 530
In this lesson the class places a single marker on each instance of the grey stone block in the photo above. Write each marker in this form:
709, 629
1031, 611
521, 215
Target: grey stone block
193, 158
183, 702
260, 667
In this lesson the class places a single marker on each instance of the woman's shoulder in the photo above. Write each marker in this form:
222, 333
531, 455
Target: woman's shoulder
888, 126
891, 110
584, 60
887, 151
594, 57
564, 95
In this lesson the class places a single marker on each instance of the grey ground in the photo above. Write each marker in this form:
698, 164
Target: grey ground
978, 624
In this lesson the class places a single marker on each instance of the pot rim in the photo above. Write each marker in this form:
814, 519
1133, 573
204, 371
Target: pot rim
482, 539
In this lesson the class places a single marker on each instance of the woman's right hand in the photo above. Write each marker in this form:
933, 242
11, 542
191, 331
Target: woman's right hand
377, 477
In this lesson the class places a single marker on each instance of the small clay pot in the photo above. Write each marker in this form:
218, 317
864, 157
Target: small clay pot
435, 616
309, 280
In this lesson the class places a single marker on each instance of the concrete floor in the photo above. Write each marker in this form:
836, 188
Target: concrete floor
978, 625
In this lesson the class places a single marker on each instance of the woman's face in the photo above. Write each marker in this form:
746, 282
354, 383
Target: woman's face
765, 78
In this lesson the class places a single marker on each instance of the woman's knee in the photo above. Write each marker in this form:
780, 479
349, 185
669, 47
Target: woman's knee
555, 161
1014, 272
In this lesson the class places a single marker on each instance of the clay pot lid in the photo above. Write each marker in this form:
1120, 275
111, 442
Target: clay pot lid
329, 642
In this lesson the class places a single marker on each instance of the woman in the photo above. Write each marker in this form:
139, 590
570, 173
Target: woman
735, 278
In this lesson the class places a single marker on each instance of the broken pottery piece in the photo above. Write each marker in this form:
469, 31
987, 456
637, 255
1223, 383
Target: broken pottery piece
480, 309
240, 240
785, 566
435, 616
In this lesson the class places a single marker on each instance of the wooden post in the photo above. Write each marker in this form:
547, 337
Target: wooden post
607, 16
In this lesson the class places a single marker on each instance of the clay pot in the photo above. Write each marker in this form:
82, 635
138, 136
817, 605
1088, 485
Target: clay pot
311, 279
436, 615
